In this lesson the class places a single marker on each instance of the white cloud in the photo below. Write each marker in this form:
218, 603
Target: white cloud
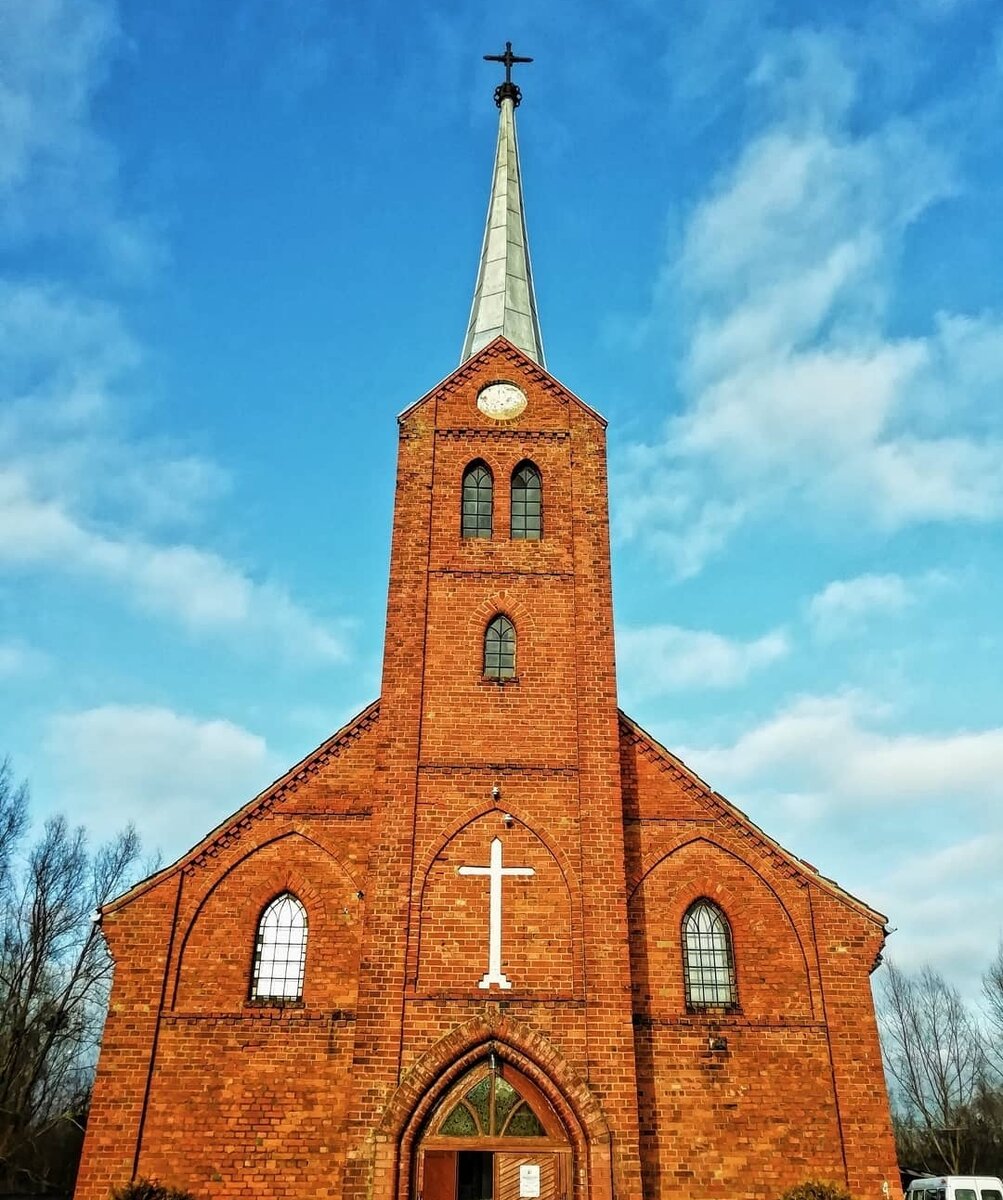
945, 903
18, 659
908, 821
57, 175
81, 493
666, 658
833, 748
170, 774
793, 392
844, 605
71, 379
195, 588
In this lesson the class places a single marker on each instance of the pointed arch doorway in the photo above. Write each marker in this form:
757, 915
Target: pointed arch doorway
493, 1136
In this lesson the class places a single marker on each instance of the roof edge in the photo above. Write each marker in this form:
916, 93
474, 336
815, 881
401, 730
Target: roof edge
500, 343
802, 867
274, 792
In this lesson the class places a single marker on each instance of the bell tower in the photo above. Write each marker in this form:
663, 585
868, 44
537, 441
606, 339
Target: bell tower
496, 910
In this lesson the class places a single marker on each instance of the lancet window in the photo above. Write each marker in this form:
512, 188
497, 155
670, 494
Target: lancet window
499, 648
478, 500
708, 960
280, 951
527, 502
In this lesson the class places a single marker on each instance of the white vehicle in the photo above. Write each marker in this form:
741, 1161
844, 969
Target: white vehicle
956, 1187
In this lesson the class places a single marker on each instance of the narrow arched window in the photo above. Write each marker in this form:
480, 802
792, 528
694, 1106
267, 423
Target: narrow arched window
280, 951
708, 961
527, 502
478, 489
499, 649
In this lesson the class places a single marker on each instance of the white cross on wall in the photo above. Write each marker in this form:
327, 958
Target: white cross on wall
495, 873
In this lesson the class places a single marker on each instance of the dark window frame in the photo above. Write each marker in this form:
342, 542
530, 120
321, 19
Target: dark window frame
499, 648
526, 510
705, 974
477, 496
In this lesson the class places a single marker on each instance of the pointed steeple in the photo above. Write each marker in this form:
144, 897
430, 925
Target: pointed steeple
504, 300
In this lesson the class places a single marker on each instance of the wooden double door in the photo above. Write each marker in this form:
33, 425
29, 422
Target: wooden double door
494, 1174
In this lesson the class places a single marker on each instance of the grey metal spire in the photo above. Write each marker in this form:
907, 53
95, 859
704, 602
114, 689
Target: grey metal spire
504, 300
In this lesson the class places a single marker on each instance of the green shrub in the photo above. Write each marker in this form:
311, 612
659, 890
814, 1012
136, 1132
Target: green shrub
816, 1189
150, 1189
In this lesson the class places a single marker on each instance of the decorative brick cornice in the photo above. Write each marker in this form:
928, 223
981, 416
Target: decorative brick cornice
532, 770
501, 353
503, 435
262, 1015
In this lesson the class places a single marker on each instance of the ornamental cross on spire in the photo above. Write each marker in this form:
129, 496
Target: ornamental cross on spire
507, 90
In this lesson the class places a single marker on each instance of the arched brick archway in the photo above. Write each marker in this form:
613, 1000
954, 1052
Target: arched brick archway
454, 1056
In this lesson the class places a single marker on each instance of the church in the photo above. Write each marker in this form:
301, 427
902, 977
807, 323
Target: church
491, 940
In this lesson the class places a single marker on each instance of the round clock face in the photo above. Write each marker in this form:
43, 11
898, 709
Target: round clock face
501, 401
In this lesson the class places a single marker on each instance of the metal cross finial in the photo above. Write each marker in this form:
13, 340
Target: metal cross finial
507, 90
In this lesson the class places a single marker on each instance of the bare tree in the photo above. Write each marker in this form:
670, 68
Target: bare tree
992, 992
54, 975
936, 1064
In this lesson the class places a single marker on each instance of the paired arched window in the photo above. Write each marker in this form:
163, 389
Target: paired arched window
499, 648
477, 505
527, 503
478, 497
708, 960
280, 951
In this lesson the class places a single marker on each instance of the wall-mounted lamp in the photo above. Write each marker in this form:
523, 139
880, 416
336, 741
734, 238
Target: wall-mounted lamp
495, 792
508, 820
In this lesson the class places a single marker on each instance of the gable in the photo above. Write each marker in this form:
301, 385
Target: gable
450, 399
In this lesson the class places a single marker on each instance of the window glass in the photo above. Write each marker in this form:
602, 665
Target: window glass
527, 503
991, 1194
708, 966
479, 1099
499, 649
506, 1098
280, 951
492, 1108
460, 1122
478, 496
524, 1123
965, 1194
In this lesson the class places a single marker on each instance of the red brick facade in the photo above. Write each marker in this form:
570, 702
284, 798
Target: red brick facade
332, 1096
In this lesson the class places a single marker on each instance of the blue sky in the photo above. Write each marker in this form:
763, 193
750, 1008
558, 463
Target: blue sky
237, 239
